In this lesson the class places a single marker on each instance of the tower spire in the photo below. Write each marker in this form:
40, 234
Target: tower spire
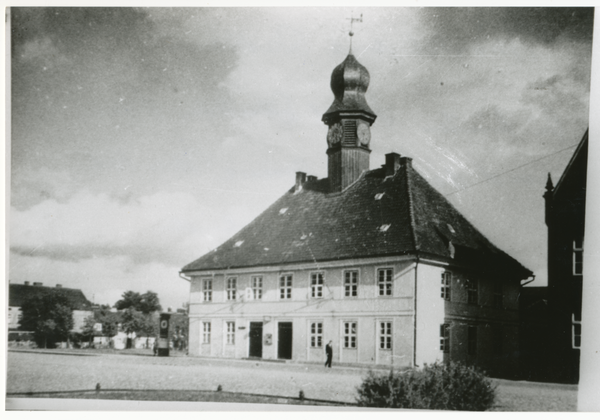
351, 33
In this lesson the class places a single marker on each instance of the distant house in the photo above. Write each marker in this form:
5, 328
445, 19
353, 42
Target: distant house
377, 261
19, 293
556, 309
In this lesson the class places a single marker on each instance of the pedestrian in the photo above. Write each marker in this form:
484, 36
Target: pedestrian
155, 346
329, 353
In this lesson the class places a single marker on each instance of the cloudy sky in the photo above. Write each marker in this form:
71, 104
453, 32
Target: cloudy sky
144, 138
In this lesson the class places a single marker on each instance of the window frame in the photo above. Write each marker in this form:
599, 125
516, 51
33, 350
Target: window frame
256, 289
316, 334
578, 257
285, 290
473, 291
381, 284
386, 335
317, 283
230, 333
231, 292
206, 332
575, 325
445, 338
351, 287
446, 290
350, 336
207, 292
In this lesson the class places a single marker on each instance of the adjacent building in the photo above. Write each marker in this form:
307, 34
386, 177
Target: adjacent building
552, 314
375, 260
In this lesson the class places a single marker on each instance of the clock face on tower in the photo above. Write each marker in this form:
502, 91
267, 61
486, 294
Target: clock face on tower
334, 135
363, 133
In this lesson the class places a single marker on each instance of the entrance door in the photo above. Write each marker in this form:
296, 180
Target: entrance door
256, 332
284, 345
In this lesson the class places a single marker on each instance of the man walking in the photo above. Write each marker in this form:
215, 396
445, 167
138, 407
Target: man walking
329, 353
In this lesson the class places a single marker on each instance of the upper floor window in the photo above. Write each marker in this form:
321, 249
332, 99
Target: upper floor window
446, 284
384, 280
472, 291
350, 335
578, 257
206, 333
445, 338
285, 286
230, 332
231, 288
316, 285
351, 283
385, 335
472, 340
316, 334
257, 287
498, 296
207, 290
576, 332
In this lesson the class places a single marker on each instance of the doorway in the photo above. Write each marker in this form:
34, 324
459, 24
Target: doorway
284, 344
256, 332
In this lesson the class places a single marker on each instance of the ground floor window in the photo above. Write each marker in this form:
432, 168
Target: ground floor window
472, 340
206, 333
445, 338
576, 333
385, 335
230, 332
316, 334
350, 335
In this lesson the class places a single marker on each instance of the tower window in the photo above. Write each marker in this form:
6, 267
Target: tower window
578, 257
445, 338
575, 332
446, 285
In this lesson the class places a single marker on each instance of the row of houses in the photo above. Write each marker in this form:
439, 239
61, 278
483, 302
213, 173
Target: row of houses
383, 265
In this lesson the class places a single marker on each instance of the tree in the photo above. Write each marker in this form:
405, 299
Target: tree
49, 316
146, 303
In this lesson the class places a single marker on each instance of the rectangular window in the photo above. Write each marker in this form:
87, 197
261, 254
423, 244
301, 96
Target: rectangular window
351, 283
384, 280
472, 292
446, 283
316, 334
206, 333
285, 286
316, 285
257, 288
231, 288
445, 338
350, 335
385, 335
230, 332
576, 332
498, 296
207, 290
578, 257
497, 339
472, 340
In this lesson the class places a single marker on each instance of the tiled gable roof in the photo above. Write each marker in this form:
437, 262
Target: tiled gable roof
19, 293
375, 216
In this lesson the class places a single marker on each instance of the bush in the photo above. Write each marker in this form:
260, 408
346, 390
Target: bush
451, 386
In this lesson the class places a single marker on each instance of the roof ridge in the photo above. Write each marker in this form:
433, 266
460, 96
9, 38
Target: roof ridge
411, 213
584, 140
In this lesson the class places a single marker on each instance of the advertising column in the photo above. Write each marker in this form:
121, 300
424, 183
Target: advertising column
163, 340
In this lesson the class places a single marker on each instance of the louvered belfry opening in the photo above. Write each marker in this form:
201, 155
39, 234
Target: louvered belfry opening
349, 119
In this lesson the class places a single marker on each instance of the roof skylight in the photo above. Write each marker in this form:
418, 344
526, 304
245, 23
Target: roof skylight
450, 228
384, 228
283, 210
238, 244
379, 196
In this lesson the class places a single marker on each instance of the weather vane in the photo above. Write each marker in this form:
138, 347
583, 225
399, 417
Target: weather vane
351, 33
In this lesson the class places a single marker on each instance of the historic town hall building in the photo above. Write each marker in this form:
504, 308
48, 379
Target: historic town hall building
375, 260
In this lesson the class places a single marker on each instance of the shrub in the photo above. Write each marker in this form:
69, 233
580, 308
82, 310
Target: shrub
451, 386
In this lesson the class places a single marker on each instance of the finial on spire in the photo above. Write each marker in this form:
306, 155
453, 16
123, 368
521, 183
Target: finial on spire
351, 33
549, 186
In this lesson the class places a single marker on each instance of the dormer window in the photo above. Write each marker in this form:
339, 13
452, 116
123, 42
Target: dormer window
578, 257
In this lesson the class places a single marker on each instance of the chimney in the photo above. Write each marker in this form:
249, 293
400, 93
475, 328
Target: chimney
59, 286
26, 283
311, 178
300, 179
37, 283
392, 163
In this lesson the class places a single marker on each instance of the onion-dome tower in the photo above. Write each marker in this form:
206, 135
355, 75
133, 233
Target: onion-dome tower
349, 119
